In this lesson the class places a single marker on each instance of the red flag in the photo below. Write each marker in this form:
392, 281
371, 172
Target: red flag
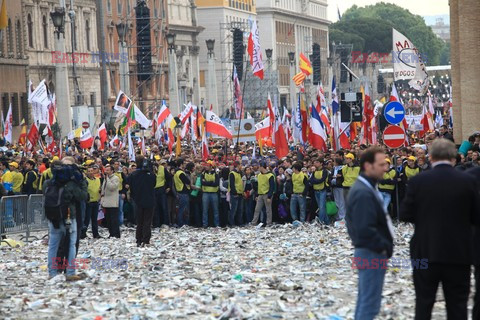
254, 51
214, 125
33, 135
49, 139
86, 140
205, 152
281, 144
102, 134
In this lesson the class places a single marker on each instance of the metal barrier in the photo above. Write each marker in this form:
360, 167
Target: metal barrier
22, 214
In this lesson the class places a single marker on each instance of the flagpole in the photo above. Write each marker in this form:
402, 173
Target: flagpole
242, 111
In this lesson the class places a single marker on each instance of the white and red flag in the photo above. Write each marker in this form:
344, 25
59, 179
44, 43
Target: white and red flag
102, 134
254, 51
263, 129
163, 114
7, 130
214, 125
86, 140
281, 144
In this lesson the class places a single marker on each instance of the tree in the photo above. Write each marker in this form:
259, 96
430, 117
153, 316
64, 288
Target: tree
374, 24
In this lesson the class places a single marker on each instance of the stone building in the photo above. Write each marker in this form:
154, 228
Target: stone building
465, 37
13, 66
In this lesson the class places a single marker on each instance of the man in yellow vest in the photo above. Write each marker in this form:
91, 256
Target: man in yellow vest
235, 186
411, 170
299, 196
15, 178
387, 184
30, 181
265, 188
46, 175
350, 172
182, 186
91, 210
319, 182
162, 188
121, 187
210, 187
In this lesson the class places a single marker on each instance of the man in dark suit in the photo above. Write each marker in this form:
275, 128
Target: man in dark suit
443, 204
476, 254
371, 231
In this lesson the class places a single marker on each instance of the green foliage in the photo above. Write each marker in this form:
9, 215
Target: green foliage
374, 24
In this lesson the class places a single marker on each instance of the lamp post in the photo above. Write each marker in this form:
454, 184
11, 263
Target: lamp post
61, 74
291, 58
212, 98
124, 74
172, 73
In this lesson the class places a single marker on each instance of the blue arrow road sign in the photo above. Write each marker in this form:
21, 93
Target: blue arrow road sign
394, 112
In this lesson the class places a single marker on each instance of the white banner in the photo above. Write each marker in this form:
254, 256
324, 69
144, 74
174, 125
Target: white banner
247, 130
413, 122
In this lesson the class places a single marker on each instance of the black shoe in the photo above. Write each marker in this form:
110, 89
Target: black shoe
139, 244
83, 236
97, 237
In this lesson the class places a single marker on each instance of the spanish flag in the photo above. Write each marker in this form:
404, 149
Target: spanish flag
299, 78
23, 134
305, 65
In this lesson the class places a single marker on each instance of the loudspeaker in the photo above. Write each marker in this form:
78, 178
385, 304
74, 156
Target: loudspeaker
144, 41
316, 64
238, 52
380, 84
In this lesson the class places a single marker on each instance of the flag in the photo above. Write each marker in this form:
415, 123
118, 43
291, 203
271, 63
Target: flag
102, 134
23, 134
271, 115
3, 15
303, 112
286, 123
211, 107
33, 136
131, 150
86, 140
114, 141
200, 122
171, 139
317, 136
438, 119
368, 115
335, 105
338, 12
185, 129
305, 65
7, 133
178, 147
52, 111
205, 152
237, 93
299, 78
297, 123
427, 124
262, 129
254, 51
186, 113
215, 126
335, 116
281, 144
142, 147
395, 97
163, 114
50, 140
194, 125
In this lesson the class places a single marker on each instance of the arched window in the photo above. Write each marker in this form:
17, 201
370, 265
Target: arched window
30, 30
18, 33
45, 31
87, 34
11, 45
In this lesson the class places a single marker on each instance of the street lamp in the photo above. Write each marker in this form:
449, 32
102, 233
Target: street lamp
269, 53
123, 65
58, 19
212, 98
171, 40
293, 94
210, 45
121, 31
172, 73
291, 57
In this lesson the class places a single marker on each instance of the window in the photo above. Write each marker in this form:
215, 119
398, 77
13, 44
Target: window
45, 31
155, 9
11, 46
30, 30
87, 34
109, 6
24, 106
18, 33
128, 7
119, 7
15, 110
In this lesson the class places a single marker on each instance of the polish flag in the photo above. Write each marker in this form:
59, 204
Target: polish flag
49, 139
163, 114
215, 126
186, 113
262, 129
86, 140
205, 152
185, 129
171, 139
317, 136
254, 51
426, 121
114, 141
102, 134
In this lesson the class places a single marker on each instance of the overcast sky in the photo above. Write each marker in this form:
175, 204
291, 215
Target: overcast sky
420, 7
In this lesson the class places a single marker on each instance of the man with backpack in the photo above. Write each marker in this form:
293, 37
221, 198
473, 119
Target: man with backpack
62, 193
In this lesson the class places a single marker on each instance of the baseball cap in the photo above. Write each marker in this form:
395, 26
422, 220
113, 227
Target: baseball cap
14, 164
412, 158
350, 156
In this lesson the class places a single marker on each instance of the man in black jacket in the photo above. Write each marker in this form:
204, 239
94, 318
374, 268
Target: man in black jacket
476, 255
443, 204
141, 184
371, 231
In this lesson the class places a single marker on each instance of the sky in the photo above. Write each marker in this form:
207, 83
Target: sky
420, 7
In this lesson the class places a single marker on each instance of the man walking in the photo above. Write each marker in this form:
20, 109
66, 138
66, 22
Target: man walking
266, 186
318, 181
371, 231
236, 188
210, 185
181, 183
443, 204
91, 210
110, 201
142, 183
162, 188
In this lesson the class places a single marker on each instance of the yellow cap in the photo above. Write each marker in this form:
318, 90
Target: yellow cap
14, 164
157, 157
412, 158
211, 162
89, 162
350, 156
55, 158
388, 160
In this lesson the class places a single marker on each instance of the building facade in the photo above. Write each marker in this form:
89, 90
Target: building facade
84, 88
220, 18
13, 66
183, 22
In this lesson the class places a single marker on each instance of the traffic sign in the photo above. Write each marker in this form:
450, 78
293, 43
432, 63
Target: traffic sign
394, 112
85, 125
394, 137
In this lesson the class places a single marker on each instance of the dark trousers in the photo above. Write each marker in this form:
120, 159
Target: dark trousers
91, 213
161, 215
455, 281
111, 215
144, 224
476, 300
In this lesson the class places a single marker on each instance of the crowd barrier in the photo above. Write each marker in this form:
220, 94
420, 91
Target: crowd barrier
22, 215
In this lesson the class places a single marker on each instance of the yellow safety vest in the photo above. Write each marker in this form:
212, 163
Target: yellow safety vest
93, 189
46, 175
264, 182
7, 176
179, 185
210, 177
160, 177
17, 180
35, 182
297, 180
390, 175
319, 175
238, 182
120, 184
410, 173
350, 174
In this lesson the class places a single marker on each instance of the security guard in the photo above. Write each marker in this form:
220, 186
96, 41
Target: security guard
387, 185
30, 181
265, 189
182, 187
162, 188
210, 187
299, 196
236, 189
319, 181
91, 209
350, 174
411, 170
